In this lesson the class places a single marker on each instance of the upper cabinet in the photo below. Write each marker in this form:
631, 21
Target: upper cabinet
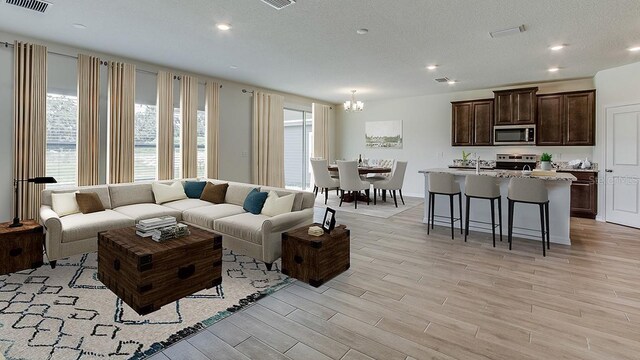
472, 123
567, 119
516, 106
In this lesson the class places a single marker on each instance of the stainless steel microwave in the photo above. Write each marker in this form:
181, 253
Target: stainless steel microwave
514, 135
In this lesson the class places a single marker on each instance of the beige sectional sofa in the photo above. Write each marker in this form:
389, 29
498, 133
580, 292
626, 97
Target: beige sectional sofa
258, 236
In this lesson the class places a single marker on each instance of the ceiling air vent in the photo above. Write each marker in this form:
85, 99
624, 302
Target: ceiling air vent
442, 79
35, 5
277, 4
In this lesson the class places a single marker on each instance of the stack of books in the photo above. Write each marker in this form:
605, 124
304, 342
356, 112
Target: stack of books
170, 232
146, 228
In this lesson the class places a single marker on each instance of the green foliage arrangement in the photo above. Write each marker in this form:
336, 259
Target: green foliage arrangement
465, 155
545, 157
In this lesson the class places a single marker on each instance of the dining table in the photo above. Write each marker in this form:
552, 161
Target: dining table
363, 170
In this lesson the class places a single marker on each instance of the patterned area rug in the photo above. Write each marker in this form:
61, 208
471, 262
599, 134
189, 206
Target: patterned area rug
381, 209
66, 313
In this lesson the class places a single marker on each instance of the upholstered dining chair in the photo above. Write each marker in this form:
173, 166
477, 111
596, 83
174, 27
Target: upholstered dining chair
322, 178
371, 178
350, 181
393, 183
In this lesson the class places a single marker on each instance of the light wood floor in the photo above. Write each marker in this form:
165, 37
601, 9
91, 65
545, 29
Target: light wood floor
409, 295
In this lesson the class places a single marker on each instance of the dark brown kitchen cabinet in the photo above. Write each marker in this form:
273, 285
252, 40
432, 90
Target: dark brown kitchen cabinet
472, 123
567, 119
515, 106
584, 194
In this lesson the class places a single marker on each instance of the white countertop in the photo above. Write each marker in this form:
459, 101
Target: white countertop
557, 176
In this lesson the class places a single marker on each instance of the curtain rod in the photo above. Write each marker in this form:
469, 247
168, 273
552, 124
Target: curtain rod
102, 62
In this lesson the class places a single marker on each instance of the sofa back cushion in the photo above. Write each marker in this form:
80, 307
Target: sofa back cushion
237, 193
129, 194
101, 190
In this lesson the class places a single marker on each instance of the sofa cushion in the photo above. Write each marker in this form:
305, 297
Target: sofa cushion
166, 193
193, 189
255, 201
127, 194
186, 204
86, 226
148, 211
276, 205
297, 202
89, 203
64, 204
214, 193
237, 193
206, 215
245, 226
101, 190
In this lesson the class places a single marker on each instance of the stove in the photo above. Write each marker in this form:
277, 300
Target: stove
516, 161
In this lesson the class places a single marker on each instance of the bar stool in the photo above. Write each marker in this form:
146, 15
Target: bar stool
530, 191
443, 184
483, 187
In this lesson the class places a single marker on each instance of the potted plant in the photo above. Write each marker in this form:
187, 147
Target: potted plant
545, 161
465, 158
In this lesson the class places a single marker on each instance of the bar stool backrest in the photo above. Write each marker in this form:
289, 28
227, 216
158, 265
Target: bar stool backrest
442, 183
530, 190
482, 186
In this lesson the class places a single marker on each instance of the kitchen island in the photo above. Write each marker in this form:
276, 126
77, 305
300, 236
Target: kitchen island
526, 223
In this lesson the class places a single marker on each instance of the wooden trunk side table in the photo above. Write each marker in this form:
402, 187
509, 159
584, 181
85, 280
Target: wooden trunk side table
315, 259
20, 247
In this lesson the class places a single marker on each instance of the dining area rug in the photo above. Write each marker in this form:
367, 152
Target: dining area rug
382, 209
67, 313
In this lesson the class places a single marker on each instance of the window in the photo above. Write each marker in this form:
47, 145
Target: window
62, 134
145, 143
297, 148
202, 136
177, 139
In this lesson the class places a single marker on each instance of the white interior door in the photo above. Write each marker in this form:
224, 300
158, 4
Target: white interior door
622, 170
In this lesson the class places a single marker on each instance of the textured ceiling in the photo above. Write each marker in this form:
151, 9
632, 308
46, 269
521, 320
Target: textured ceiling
311, 48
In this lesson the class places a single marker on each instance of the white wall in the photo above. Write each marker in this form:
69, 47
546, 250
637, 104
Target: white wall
427, 131
615, 87
235, 112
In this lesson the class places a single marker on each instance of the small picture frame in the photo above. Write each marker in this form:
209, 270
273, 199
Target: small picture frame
329, 221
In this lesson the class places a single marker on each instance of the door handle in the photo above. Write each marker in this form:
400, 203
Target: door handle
608, 170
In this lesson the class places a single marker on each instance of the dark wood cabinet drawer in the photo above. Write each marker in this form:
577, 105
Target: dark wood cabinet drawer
584, 194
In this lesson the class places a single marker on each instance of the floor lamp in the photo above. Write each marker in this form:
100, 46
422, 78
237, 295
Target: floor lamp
36, 180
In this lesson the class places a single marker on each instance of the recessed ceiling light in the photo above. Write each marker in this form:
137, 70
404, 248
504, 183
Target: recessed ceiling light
233, 67
362, 31
557, 47
451, 82
553, 69
634, 49
224, 27
79, 26
432, 67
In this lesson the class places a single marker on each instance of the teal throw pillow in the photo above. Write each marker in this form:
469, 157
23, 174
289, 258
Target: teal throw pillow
254, 202
193, 189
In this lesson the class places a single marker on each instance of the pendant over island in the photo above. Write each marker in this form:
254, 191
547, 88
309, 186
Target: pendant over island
526, 221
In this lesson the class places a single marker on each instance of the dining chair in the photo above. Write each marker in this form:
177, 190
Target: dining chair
383, 163
350, 181
322, 178
393, 183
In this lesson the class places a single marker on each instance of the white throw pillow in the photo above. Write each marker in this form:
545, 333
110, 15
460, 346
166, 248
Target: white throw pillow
276, 205
165, 193
64, 203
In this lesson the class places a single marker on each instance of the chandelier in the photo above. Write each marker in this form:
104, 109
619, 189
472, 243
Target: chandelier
353, 105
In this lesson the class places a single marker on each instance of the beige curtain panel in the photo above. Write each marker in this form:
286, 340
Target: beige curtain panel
212, 109
88, 119
165, 125
268, 139
189, 122
29, 123
121, 114
321, 118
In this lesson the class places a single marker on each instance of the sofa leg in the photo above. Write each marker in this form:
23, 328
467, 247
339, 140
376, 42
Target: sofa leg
269, 266
53, 264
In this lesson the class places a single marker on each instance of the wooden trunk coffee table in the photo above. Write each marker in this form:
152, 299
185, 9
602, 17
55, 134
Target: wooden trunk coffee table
147, 275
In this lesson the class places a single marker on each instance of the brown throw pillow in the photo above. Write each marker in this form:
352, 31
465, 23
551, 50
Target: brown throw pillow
214, 193
89, 202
